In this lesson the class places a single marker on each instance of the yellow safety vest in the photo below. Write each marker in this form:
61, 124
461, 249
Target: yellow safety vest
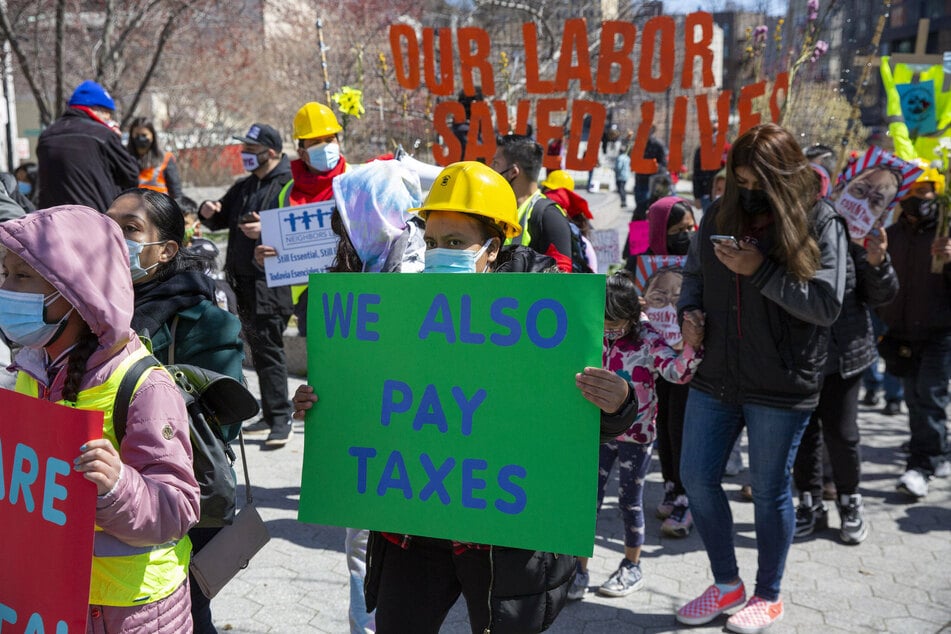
524, 215
123, 575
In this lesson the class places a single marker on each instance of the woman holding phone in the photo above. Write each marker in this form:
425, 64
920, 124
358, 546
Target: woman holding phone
766, 300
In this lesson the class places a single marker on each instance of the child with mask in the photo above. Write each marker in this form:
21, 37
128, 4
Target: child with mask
176, 309
77, 346
634, 350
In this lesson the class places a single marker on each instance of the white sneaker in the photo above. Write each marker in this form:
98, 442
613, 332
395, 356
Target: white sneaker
914, 483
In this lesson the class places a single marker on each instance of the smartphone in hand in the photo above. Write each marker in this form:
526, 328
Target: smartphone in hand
725, 241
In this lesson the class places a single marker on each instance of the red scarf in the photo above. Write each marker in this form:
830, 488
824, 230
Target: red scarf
312, 187
92, 115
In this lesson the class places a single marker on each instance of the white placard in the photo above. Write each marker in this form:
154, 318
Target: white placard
605, 242
304, 241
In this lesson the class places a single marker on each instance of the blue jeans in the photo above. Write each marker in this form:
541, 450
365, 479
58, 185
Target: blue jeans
926, 394
874, 379
710, 429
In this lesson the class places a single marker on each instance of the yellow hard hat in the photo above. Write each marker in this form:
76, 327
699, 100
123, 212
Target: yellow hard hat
559, 179
930, 174
471, 187
315, 120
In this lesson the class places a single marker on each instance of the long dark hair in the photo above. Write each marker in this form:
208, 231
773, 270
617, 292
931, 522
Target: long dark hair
621, 301
167, 216
783, 172
155, 154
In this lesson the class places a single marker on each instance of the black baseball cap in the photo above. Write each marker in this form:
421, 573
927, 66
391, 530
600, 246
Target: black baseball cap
262, 134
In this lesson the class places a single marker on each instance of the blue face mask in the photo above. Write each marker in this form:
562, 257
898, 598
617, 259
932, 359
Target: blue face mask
135, 248
323, 157
453, 260
22, 318
25, 188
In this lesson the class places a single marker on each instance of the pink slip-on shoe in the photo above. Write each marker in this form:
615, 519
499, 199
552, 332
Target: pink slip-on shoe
757, 615
710, 605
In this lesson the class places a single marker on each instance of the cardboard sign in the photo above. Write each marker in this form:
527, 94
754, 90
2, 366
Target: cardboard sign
869, 187
448, 407
647, 265
304, 241
661, 294
918, 107
605, 242
48, 513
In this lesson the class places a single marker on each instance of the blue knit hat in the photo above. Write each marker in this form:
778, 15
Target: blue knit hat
89, 93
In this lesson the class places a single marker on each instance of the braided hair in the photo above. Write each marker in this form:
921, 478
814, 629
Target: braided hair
76, 365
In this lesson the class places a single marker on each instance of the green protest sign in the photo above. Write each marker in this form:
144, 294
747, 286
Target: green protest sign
448, 407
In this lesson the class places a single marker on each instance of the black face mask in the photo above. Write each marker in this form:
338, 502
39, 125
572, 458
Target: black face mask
917, 207
678, 243
754, 201
142, 142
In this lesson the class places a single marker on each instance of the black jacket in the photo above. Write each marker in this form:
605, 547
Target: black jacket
922, 308
852, 343
248, 280
82, 162
766, 338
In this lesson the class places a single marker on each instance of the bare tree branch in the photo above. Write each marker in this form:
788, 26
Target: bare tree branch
102, 48
166, 34
60, 98
8, 35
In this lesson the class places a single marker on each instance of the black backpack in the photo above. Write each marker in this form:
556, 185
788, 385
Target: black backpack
212, 400
579, 263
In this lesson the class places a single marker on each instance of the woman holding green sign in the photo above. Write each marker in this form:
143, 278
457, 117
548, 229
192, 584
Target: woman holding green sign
414, 581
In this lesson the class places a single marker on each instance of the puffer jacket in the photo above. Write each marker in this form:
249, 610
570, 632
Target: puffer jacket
852, 341
156, 499
766, 339
922, 309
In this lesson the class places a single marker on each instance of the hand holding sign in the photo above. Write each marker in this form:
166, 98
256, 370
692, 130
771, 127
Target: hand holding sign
99, 463
603, 387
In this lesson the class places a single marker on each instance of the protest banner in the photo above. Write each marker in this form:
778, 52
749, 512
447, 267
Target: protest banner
48, 512
448, 407
648, 264
435, 57
870, 187
304, 241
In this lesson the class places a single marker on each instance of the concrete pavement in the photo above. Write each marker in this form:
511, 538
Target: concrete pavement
896, 581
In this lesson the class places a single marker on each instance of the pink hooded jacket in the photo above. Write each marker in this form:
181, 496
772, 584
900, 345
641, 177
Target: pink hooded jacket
83, 254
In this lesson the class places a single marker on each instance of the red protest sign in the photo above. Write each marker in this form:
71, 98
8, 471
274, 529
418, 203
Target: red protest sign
47, 512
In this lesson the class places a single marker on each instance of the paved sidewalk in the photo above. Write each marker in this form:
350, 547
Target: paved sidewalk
897, 581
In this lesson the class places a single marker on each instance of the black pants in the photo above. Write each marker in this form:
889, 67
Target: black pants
265, 337
420, 584
201, 605
834, 422
671, 405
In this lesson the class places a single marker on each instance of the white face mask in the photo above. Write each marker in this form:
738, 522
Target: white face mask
858, 216
323, 157
664, 321
454, 260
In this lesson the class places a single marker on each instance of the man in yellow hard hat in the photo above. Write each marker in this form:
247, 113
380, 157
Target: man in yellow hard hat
315, 129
